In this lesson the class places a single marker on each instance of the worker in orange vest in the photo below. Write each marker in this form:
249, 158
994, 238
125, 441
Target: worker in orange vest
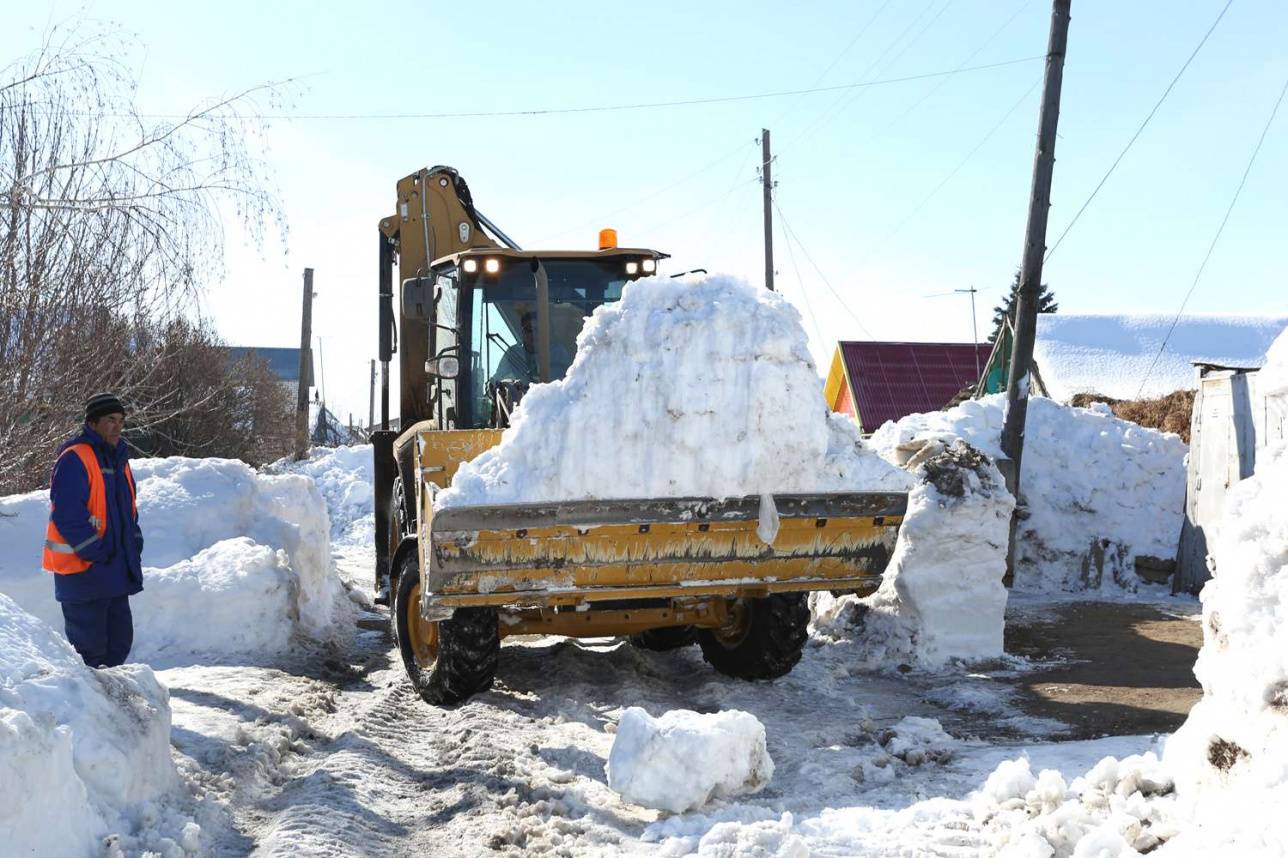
93, 544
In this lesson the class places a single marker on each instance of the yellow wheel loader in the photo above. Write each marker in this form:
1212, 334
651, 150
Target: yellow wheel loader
475, 321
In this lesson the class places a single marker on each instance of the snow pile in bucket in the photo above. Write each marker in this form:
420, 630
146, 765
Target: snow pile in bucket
83, 753
234, 561
1230, 758
683, 760
1098, 491
682, 389
942, 596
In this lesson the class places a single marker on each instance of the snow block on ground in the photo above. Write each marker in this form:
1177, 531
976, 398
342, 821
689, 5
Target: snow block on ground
683, 760
942, 596
681, 389
1230, 758
220, 540
1098, 491
82, 752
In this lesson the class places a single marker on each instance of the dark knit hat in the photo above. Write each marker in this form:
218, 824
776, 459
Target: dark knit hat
102, 404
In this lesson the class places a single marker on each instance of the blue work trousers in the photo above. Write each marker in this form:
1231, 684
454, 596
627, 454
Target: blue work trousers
101, 630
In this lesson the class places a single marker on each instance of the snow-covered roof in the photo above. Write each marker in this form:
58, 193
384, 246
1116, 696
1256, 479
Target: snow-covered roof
1111, 355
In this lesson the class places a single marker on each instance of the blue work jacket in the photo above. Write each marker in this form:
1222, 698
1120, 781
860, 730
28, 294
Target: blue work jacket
116, 560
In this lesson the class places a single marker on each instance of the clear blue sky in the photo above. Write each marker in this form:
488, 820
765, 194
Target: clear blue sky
858, 170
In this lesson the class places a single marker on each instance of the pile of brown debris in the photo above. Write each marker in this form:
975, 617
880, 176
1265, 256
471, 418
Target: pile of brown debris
1170, 413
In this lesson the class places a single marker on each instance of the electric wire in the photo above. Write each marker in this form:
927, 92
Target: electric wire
819, 271
683, 180
845, 100
942, 83
800, 281
600, 108
1217, 237
1140, 129
961, 164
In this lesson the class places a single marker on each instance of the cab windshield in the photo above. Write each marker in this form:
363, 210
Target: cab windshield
500, 325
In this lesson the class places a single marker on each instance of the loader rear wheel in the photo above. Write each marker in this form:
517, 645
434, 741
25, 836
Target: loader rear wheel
664, 639
763, 638
450, 660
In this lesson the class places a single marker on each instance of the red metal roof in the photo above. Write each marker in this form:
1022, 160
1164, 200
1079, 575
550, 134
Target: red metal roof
893, 380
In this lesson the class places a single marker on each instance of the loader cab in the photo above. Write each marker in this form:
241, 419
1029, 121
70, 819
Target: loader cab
490, 310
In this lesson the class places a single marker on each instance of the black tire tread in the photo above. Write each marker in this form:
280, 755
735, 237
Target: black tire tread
773, 644
469, 644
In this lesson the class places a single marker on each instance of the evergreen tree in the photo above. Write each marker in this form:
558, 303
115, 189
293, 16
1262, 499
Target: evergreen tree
1006, 309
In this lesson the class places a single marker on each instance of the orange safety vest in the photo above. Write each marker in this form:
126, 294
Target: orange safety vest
61, 558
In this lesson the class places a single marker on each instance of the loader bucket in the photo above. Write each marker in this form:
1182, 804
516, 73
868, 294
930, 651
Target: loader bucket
552, 554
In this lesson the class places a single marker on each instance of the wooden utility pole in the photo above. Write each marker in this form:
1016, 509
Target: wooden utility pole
371, 401
767, 184
1026, 309
306, 365
1026, 312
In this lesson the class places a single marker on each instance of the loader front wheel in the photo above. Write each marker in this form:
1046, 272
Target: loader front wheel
450, 660
763, 638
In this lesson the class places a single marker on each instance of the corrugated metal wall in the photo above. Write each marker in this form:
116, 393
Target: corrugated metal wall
1232, 421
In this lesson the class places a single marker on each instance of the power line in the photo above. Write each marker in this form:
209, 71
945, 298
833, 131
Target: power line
1212, 247
791, 232
948, 178
845, 100
602, 108
683, 180
791, 254
933, 90
1132, 141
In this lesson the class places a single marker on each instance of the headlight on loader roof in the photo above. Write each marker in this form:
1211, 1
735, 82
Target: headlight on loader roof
492, 266
470, 266
632, 267
648, 266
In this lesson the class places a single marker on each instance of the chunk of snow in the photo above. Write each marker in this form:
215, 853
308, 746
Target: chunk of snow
1097, 491
701, 389
1112, 355
942, 596
682, 760
82, 752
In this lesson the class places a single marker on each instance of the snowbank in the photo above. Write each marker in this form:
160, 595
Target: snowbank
1098, 491
1110, 355
942, 595
234, 561
683, 759
696, 388
1230, 758
82, 752
345, 477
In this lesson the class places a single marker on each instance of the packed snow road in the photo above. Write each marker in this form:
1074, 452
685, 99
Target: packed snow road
331, 753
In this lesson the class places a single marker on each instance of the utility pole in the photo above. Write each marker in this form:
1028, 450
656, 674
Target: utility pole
767, 185
306, 366
974, 329
371, 401
1026, 312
